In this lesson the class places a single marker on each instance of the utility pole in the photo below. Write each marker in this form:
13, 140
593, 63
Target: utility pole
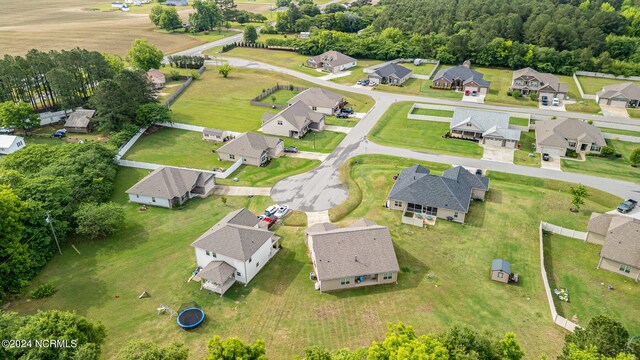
48, 220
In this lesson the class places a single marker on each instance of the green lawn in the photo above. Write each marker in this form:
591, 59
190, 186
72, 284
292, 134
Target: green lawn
176, 147
214, 35
618, 168
349, 122
422, 69
357, 72
521, 156
278, 169
591, 85
500, 82
433, 112
42, 135
634, 113
621, 132
285, 59
587, 106
323, 141
223, 103
280, 97
153, 253
170, 87
394, 129
587, 286
518, 121
419, 87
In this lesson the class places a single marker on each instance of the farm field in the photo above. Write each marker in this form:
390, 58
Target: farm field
65, 24
521, 156
591, 85
153, 253
395, 129
618, 168
223, 103
587, 286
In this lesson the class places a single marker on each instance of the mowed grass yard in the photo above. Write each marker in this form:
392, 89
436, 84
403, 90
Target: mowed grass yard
322, 141
618, 168
500, 82
571, 264
276, 170
223, 103
280, 97
153, 253
285, 59
395, 129
521, 156
592, 85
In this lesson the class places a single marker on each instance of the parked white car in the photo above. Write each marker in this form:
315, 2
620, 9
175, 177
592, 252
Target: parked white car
282, 211
271, 210
555, 102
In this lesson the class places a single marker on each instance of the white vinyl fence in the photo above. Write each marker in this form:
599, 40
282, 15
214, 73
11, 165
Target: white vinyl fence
628, 138
123, 150
564, 231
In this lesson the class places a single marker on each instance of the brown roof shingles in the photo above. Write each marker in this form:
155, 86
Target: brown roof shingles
622, 243
168, 182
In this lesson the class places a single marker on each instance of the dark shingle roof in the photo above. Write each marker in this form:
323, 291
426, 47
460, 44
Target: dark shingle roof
250, 145
168, 182
463, 73
392, 69
501, 265
459, 173
217, 271
80, 118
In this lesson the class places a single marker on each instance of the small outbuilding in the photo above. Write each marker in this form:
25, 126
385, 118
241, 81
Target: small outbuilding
209, 134
501, 271
80, 121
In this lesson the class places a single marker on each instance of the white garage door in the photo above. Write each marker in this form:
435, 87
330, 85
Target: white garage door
492, 142
618, 103
602, 101
483, 91
471, 88
552, 151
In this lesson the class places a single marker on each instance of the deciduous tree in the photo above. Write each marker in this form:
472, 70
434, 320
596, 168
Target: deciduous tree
233, 349
578, 194
99, 220
18, 116
170, 20
144, 56
250, 34
145, 350
224, 70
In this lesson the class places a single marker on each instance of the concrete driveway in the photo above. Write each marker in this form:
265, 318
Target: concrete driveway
342, 129
308, 155
635, 213
551, 107
499, 154
553, 163
318, 217
241, 190
608, 110
478, 99
335, 75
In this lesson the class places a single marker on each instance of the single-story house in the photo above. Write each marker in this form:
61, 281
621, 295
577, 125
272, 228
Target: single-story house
392, 74
461, 77
529, 81
209, 134
234, 249
320, 100
254, 149
620, 95
177, 2
620, 236
448, 196
169, 186
157, 78
487, 127
80, 121
555, 137
10, 144
294, 121
359, 255
500, 270
331, 61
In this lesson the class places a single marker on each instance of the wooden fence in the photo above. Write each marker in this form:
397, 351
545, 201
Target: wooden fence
256, 101
559, 320
182, 87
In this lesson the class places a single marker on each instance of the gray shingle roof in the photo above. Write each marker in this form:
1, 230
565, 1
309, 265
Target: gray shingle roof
451, 191
501, 265
491, 123
156, 76
547, 80
168, 182
298, 115
333, 58
233, 237
354, 251
321, 227
217, 271
318, 97
213, 132
599, 223
392, 69
80, 118
627, 90
463, 73
556, 133
622, 242
250, 145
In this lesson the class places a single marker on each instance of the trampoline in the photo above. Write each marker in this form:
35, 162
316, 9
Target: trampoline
190, 318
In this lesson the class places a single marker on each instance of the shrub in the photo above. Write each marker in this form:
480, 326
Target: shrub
571, 153
533, 97
607, 152
99, 220
509, 93
517, 94
43, 291
590, 122
174, 75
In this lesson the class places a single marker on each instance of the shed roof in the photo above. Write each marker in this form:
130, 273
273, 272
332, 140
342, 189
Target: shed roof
7, 141
501, 265
80, 118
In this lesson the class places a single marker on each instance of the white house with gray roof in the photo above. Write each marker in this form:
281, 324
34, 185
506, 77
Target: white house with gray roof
254, 149
461, 78
10, 144
233, 250
620, 236
620, 95
448, 196
392, 74
359, 255
294, 121
528, 81
486, 127
216, 135
320, 100
332, 61
555, 137
169, 186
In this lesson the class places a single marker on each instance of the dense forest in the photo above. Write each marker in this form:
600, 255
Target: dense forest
550, 35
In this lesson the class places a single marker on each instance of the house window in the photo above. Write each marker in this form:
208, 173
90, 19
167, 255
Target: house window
397, 203
572, 144
595, 147
153, 199
238, 273
232, 157
279, 122
387, 276
625, 268
345, 281
137, 196
210, 253
500, 274
437, 83
455, 214
258, 264
431, 211
468, 124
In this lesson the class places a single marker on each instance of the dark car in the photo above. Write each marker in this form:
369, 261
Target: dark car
342, 116
544, 100
348, 110
546, 157
59, 134
627, 206
474, 93
291, 149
